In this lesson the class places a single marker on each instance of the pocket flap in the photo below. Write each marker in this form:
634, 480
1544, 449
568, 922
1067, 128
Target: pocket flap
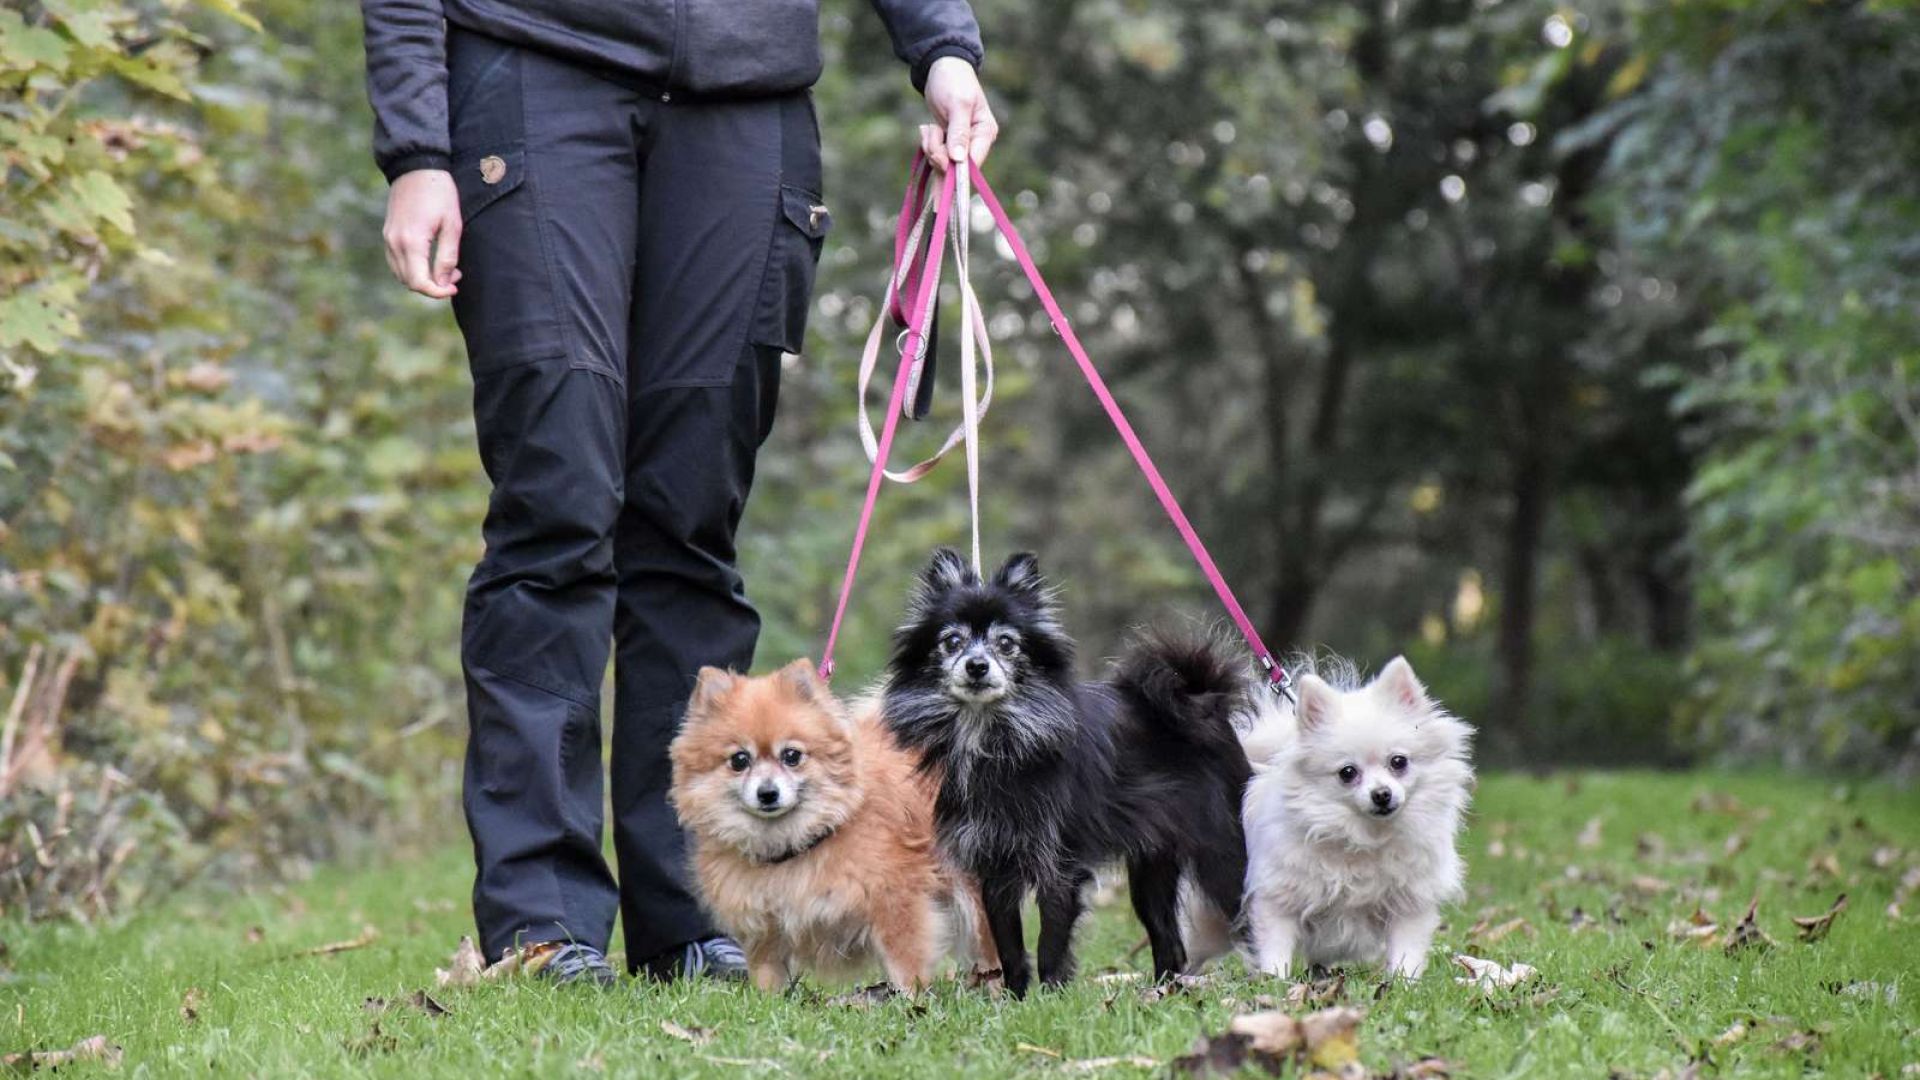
483, 176
806, 212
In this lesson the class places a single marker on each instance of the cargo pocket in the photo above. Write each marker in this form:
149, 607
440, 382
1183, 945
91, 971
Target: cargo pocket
505, 304
786, 292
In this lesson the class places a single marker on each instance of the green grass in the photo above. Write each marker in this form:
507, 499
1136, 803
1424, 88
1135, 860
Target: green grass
1617, 994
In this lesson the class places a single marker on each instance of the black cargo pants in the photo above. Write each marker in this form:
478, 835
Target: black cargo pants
633, 265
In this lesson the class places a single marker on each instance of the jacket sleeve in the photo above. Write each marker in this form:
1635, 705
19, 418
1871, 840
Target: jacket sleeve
406, 42
926, 30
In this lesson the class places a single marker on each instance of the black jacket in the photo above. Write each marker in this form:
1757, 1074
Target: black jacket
699, 48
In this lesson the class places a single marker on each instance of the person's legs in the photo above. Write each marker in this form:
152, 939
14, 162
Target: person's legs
543, 300
730, 228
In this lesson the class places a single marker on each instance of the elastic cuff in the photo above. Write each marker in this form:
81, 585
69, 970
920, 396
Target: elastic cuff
921, 69
395, 168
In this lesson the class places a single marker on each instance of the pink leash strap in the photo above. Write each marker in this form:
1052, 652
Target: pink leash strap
929, 280
1275, 673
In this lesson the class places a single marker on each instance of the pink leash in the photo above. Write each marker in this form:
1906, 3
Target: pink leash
929, 279
1276, 675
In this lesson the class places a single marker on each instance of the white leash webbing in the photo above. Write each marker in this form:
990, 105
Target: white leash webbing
973, 332
969, 305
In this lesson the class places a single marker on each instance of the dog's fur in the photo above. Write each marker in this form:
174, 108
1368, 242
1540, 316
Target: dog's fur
1351, 867
1044, 778
828, 859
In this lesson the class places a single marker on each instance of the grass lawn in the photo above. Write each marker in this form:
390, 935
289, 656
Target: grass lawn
1592, 906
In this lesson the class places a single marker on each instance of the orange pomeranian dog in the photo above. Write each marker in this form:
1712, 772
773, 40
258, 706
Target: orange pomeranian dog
812, 834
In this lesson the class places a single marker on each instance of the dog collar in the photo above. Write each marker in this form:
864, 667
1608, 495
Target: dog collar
795, 852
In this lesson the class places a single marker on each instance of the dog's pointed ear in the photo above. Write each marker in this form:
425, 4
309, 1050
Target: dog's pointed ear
1316, 702
709, 686
804, 680
1399, 685
1021, 574
947, 570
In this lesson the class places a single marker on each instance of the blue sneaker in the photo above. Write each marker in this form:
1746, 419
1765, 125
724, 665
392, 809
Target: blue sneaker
569, 963
716, 957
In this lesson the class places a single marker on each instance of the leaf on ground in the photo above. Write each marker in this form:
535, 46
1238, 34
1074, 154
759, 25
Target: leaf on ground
1648, 885
1734, 1033
1746, 934
190, 1004
1133, 1061
1489, 975
1815, 927
368, 935
1589, 837
1717, 802
1825, 864
1698, 928
1428, 1068
1275, 1043
1885, 856
1043, 1051
1650, 846
1798, 1042
865, 997
255, 935
1489, 935
375, 1041
1735, 844
1112, 977
465, 968
93, 1048
420, 1001
1318, 991
1178, 984
696, 1035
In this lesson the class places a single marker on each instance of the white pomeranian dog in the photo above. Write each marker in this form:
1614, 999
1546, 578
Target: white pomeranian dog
1351, 819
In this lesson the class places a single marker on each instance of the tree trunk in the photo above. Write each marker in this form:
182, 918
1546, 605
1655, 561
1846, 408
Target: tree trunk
1520, 579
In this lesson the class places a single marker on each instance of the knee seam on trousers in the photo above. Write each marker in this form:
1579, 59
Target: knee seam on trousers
588, 701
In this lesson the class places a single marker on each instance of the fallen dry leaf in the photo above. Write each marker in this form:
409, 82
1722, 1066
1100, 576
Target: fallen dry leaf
1490, 976
1589, 837
1734, 1033
1431, 1068
1043, 1051
420, 1001
1277, 1044
1815, 927
464, 968
93, 1048
698, 1036
1825, 864
865, 997
1323, 991
368, 935
1135, 1061
748, 1063
1746, 934
1798, 1042
255, 935
190, 1004
1112, 977
1489, 935
1648, 885
1269, 1032
1698, 928
1176, 985
1736, 843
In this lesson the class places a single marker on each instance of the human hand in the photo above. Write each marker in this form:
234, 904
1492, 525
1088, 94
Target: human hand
422, 233
966, 127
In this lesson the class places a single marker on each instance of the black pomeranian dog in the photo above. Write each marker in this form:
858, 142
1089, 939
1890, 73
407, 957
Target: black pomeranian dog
1043, 778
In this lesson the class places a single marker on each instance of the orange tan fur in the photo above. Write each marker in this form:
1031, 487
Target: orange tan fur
874, 888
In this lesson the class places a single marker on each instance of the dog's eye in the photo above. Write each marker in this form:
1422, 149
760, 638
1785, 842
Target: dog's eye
1007, 644
951, 641
1348, 774
739, 761
1398, 763
791, 757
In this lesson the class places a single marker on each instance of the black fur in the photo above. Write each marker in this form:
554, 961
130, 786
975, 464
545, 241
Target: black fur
1054, 777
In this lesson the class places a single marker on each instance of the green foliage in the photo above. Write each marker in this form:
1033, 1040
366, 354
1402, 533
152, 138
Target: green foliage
1769, 169
200, 370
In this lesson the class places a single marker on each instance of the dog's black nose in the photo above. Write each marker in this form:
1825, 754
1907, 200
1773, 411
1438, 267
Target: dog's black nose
767, 794
977, 669
1382, 798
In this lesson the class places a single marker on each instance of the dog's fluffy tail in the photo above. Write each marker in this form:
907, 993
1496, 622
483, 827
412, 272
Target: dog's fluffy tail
1191, 686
